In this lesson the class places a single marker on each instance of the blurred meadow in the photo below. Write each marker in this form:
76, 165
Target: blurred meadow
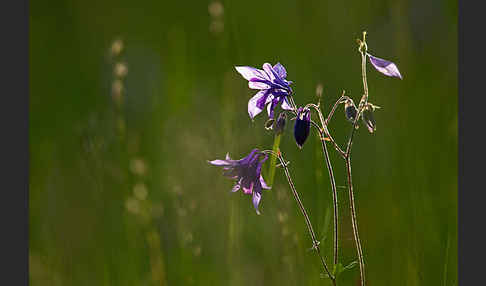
130, 99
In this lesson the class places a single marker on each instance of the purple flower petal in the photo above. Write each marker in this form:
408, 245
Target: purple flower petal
285, 105
247, 173
247, 160
266, 98
230, 172
264, 185
258, 85
271, 106
259, 166
220, 163
280, 70
248, 189
280, 92
385, 67
269, 71
236, 187
253, 108
256, 201
270, 80
248, 73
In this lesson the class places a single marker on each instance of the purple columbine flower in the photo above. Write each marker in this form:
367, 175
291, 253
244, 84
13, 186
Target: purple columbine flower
302, 126
247, 173
385, 67
273, 86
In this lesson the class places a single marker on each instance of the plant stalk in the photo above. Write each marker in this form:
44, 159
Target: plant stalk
315, 242
362, 103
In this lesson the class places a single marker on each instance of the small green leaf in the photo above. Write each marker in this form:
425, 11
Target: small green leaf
339, 268
324, 275
351, 265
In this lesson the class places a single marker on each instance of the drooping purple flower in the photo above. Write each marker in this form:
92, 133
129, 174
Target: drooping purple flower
247, 173
385, 67
273, 86
302, 126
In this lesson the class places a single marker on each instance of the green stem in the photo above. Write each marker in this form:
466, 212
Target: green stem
362, 103
273, 160
315, 242
354, 221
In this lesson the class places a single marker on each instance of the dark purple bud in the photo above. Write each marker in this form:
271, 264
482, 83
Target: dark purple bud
368, 118
302, 126
279, 125
350, 110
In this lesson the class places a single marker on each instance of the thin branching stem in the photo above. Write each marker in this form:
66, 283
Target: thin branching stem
331, 113
334, 199
325, 123
352, 207
331, 177
315, 242
354, 221
333, 183
324, 130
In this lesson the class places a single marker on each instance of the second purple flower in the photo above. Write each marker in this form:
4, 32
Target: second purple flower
247, 173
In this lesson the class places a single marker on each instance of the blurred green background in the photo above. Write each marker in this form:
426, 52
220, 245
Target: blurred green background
130, 99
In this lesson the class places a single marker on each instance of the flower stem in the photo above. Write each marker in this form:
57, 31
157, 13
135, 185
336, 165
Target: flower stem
362, 103
334, 199
354, 221
330, 171
331, 113
324, 130
273, 160
315, 242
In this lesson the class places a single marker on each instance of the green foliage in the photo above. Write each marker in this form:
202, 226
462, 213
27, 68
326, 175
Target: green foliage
124, 195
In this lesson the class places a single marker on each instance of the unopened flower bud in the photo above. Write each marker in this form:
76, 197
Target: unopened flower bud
302, 126
279, 124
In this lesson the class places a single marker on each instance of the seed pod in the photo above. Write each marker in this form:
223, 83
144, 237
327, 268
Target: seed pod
350, 110
368, 118
302, 126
